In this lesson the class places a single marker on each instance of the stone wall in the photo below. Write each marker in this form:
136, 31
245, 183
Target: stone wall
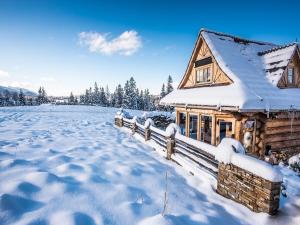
254, 192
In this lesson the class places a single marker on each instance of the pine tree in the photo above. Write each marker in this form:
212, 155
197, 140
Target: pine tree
39, 97
82, 99
126, 98
163, 91
146, 100
169, 85
22, 100
103, 100
113, 100
119, 94
90, 101
107, 96
96, 95
132, 94
141, 104
44, 96
86, 97
15, 98
71, 99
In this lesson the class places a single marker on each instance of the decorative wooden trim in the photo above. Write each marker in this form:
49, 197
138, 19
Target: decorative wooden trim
197, 50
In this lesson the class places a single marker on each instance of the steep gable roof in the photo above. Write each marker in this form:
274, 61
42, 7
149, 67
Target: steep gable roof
255, 68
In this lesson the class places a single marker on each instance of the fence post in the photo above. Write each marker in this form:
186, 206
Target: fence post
170, 147
171, 131
133, 125
147, 125
147, 134
119, 121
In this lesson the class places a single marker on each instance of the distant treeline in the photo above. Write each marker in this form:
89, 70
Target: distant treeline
127, 96
12, 98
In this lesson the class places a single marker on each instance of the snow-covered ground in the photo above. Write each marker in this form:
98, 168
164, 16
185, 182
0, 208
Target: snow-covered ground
70, 165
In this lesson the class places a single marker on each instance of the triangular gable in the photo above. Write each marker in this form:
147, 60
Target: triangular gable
201, 51
294, 62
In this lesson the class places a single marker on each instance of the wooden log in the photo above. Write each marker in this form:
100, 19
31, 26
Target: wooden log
283, 129
282, 137
284, 144
280, 123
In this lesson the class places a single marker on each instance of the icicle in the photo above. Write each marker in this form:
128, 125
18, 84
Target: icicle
268, 110
292, 117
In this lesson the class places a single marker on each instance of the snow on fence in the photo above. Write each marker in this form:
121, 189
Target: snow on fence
198, 152
159, 136
241, 178
179, 148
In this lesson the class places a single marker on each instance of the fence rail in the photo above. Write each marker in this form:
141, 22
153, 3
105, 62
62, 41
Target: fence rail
203, 159
183, 146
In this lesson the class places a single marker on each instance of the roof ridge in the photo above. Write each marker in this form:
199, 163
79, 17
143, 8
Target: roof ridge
237, 37
276, 48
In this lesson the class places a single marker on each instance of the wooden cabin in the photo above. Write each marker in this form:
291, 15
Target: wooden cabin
240, 88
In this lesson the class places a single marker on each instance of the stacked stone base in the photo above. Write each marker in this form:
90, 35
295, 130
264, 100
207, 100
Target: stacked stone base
254, 192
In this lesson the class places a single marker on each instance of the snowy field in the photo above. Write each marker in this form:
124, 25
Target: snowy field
70, 165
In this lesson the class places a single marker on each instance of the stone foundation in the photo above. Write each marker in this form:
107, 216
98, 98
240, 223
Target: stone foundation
254, 192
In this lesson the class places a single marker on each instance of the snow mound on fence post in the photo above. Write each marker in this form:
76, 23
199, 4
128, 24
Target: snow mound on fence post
227, 148
149, 122
232, 151
172, 129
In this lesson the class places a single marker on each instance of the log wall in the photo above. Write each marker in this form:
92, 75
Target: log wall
283, 136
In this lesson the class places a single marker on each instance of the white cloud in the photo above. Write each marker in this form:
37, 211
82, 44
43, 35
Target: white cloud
126, 44
4, 73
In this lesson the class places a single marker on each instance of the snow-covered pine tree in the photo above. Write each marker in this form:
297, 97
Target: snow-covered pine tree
71, 98
113, 99
107, 96
22, 100
103, 100
126, 97
141, 100
96, 95
119, 94
44, 96
132, 94
163, 91
86, 97
169, 85
91, 96
146, 100
81, 99
39, 97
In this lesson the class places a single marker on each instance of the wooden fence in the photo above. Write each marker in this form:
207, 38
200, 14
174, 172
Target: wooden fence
175, 145
262, 193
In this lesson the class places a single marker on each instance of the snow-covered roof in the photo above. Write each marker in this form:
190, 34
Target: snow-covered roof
255, 69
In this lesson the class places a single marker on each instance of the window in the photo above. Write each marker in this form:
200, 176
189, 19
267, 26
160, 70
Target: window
225, 130
203, 75
193, 126
206, 129
182, 120
290, 75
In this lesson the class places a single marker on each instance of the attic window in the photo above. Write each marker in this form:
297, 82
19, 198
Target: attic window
290, 75
203, 75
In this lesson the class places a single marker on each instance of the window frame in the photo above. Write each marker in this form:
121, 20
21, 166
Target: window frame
290, 68
203, 71
197, 124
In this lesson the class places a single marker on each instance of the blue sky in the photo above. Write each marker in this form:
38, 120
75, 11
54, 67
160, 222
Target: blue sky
68, 45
